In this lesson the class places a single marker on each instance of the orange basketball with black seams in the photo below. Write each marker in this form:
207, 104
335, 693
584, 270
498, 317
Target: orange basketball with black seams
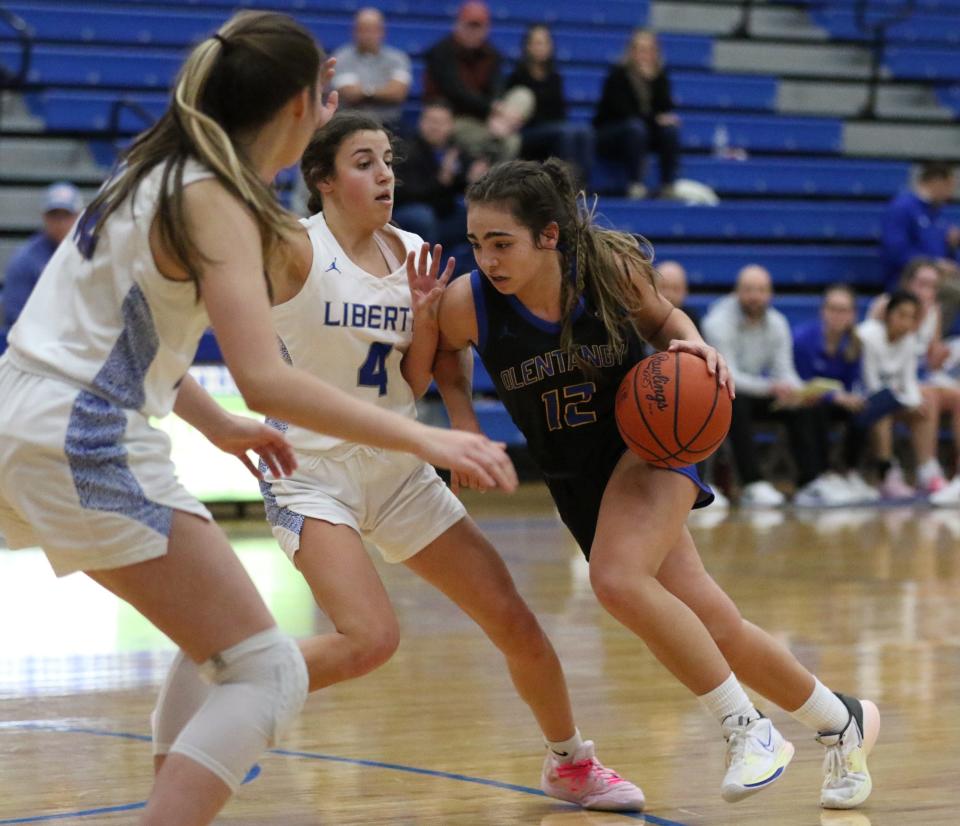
671, 412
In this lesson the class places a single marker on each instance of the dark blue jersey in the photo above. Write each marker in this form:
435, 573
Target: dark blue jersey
565, 412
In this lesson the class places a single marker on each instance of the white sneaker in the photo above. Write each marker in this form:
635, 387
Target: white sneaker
839, 487
757, 755
861, 489
826, 491
588, 783
948, 495
846, 779
761, 495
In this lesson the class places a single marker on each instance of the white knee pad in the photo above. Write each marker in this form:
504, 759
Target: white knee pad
184, 691
259, 687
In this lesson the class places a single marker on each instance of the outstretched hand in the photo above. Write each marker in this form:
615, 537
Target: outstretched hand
427, 282
470, 456
716, 364
242, 434
328, 109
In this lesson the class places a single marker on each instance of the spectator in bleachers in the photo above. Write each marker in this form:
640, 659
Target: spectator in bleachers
890, 379
636, 112
371, 76
432, 174
755, 339
673, 287
922, 278
62, 203
548, 132
828, 348
466, 70
914, 225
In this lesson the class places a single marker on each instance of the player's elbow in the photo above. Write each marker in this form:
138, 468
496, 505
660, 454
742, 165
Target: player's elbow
260, 391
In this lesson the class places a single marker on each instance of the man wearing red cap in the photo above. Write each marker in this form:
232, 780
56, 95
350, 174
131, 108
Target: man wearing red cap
465, 70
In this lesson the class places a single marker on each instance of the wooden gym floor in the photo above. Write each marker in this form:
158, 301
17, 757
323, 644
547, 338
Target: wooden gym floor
869, 599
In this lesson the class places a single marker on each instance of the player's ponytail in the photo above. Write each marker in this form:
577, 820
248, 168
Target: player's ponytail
230, 85
594, 261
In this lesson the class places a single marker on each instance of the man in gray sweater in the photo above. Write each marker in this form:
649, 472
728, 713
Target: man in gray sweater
756, 341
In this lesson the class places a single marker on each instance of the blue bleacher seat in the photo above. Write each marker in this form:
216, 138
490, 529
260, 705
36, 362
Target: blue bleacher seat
715, 266
765, 132
921, 27
789, 176
950, 96
743, 220
922, 63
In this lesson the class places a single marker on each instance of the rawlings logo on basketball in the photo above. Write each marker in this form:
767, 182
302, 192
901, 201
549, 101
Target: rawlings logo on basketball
671, 411
652, 379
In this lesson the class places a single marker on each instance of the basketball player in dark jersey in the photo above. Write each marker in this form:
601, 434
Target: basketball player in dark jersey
556, 310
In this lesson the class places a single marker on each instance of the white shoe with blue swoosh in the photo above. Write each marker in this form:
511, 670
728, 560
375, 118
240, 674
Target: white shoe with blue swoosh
757, 756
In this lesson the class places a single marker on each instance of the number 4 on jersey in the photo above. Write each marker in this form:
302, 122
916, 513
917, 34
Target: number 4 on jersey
373, 372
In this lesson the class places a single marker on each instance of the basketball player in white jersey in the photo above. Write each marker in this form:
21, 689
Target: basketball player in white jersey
179, 236
348, 312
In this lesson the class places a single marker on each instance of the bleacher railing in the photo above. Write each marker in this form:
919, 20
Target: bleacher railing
24, 34
877, 27
119, 106
873, 19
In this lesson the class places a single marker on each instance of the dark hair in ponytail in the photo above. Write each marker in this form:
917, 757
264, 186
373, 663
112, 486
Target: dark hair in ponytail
319, 159
594, 262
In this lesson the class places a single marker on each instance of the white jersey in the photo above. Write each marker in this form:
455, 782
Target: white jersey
889, 365
102, 316
349, 328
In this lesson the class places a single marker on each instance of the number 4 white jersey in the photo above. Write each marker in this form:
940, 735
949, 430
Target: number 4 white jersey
349, 328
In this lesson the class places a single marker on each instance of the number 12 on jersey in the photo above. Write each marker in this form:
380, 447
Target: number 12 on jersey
564, 406
373, 372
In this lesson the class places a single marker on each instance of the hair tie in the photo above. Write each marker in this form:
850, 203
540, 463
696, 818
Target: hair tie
224, 43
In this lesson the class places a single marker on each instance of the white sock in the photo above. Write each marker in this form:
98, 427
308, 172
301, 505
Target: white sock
727, 700
565, 750
823, 711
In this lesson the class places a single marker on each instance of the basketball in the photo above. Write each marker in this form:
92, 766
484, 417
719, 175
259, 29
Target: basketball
671, 412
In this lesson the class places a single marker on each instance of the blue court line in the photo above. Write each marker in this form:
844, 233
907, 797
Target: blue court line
308, 755
126, 807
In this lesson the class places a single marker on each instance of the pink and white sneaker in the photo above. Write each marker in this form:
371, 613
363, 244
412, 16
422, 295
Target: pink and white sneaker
588, 783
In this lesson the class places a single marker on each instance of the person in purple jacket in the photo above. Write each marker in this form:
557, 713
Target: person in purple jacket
828, 348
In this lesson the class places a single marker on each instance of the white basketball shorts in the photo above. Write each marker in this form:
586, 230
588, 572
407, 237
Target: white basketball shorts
393, 499
89, 482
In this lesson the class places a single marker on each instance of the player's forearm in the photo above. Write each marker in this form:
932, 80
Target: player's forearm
299, 398
453, 373
417, 363
676, 326
197, 407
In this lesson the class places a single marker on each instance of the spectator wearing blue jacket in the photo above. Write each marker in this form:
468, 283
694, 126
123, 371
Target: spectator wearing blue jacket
61, 206
914, 225
828, 348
